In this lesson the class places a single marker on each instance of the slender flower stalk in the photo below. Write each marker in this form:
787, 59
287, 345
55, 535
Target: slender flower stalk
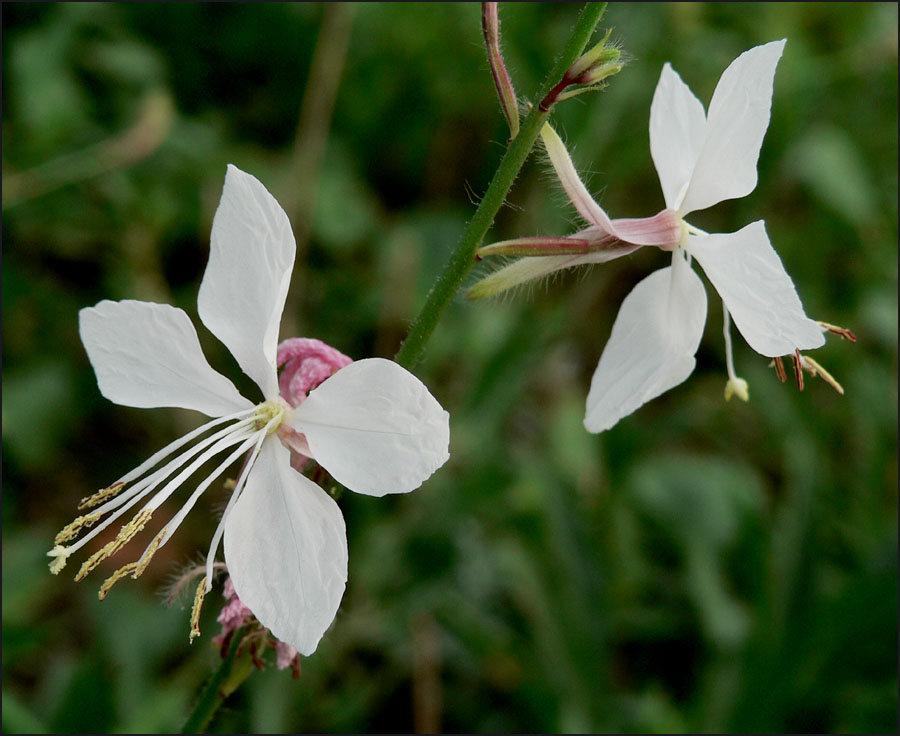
463, 258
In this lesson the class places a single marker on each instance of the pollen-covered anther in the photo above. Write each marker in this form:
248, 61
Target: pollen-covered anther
815, 369
100, 496
115, 578
125, 535
842, 332
195, 611
72, 530
144, 561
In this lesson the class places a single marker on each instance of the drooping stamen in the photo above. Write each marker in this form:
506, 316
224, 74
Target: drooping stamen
815, 369
779, 369
115, 578
135, 569
100, 496
147, 485
238, 487
195, 611
798, 368
171, 447
72, 530
835, 330
125, 535
148, 554
183, 511
154, 478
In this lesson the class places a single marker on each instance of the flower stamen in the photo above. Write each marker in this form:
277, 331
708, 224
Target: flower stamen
195, 611
72, 530
145, 558
779, 369
815, 369
125, 535
115, 578
798, 368
100, 496
842, 332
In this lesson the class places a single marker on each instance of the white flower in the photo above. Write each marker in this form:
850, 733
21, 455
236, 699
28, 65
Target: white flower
701, 160
372, 425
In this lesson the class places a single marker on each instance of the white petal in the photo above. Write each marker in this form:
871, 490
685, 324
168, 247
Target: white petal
375, 427
652, 345
749, 276
286, 550
735, 126
246, 281
148, 355
677, 124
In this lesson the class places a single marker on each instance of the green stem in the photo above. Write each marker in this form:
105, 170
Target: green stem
224, 681
463, 258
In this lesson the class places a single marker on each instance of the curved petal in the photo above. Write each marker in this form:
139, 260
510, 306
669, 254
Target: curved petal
375, 427
148, 355
677, 125
286, 550
749, 276
735, 126
652, 345
246, 281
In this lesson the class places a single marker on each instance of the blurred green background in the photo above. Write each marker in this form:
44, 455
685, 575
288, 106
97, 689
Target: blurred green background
704, 566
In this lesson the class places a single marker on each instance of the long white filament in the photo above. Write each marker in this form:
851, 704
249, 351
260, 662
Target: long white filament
183, 511
172, 465
239, 486
172, 446
221, 440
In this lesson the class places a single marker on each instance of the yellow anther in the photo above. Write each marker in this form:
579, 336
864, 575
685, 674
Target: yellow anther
142, 563
100, 496
74, 529
815, 369
195, 611
125, 535
115, 578
59, 554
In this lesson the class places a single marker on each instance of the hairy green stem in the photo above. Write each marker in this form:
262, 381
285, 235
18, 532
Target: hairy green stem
463, 258
224, 681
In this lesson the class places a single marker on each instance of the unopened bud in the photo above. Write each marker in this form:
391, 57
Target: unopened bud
594, 66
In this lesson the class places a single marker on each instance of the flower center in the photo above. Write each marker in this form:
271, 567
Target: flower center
274, 409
